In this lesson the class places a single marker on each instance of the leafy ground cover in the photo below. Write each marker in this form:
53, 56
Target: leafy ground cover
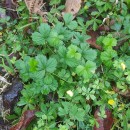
72, 62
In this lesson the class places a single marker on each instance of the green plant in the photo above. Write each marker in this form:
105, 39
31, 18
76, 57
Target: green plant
64, 78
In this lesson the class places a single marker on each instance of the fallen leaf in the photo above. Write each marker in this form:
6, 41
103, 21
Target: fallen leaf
10, 96
125, 94
25, 120
34, 6
92, 40
72, 6
104, 28
106, 123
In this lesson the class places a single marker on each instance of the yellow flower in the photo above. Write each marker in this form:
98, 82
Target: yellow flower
70, 93
111, 102
123, 66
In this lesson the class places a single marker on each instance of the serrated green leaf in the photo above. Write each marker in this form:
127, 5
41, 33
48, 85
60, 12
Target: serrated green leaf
22, 102
40, 37
72, 52
38, 75
80, 69
72, 25
44, 29
90, 54
107, 56
68, 21
66, 34
33, 65
87, 70
23, 67
80, 38
71, 62
55, 39
51, 65
42, 61
48, 79
80, 114
68, 18
90, 66
109, 42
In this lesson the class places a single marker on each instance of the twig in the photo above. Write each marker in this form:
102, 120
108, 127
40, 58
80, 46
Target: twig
4, 80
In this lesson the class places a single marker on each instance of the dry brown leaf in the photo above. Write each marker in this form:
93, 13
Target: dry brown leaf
72, 6
25, 120
124, 94
34, 6
92, 40
106, 123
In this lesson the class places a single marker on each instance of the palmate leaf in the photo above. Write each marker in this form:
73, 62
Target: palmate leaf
77, 113
109, 42
68, 18
51, 65
54, 39
44, 29
65, 109
90, 54
48, 79
72, 25
62, 51
45, 85
80, 39
71, 62
47, 65
40, 37
23, 67
107, 56
42, 60
33, 65
87, 70
62, 31
72, 52
39, 74
74, 112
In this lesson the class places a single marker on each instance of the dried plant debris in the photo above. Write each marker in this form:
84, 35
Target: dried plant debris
92, 40
11, 9
3, 113
4, 83
34, 7
25, 120
72, 6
